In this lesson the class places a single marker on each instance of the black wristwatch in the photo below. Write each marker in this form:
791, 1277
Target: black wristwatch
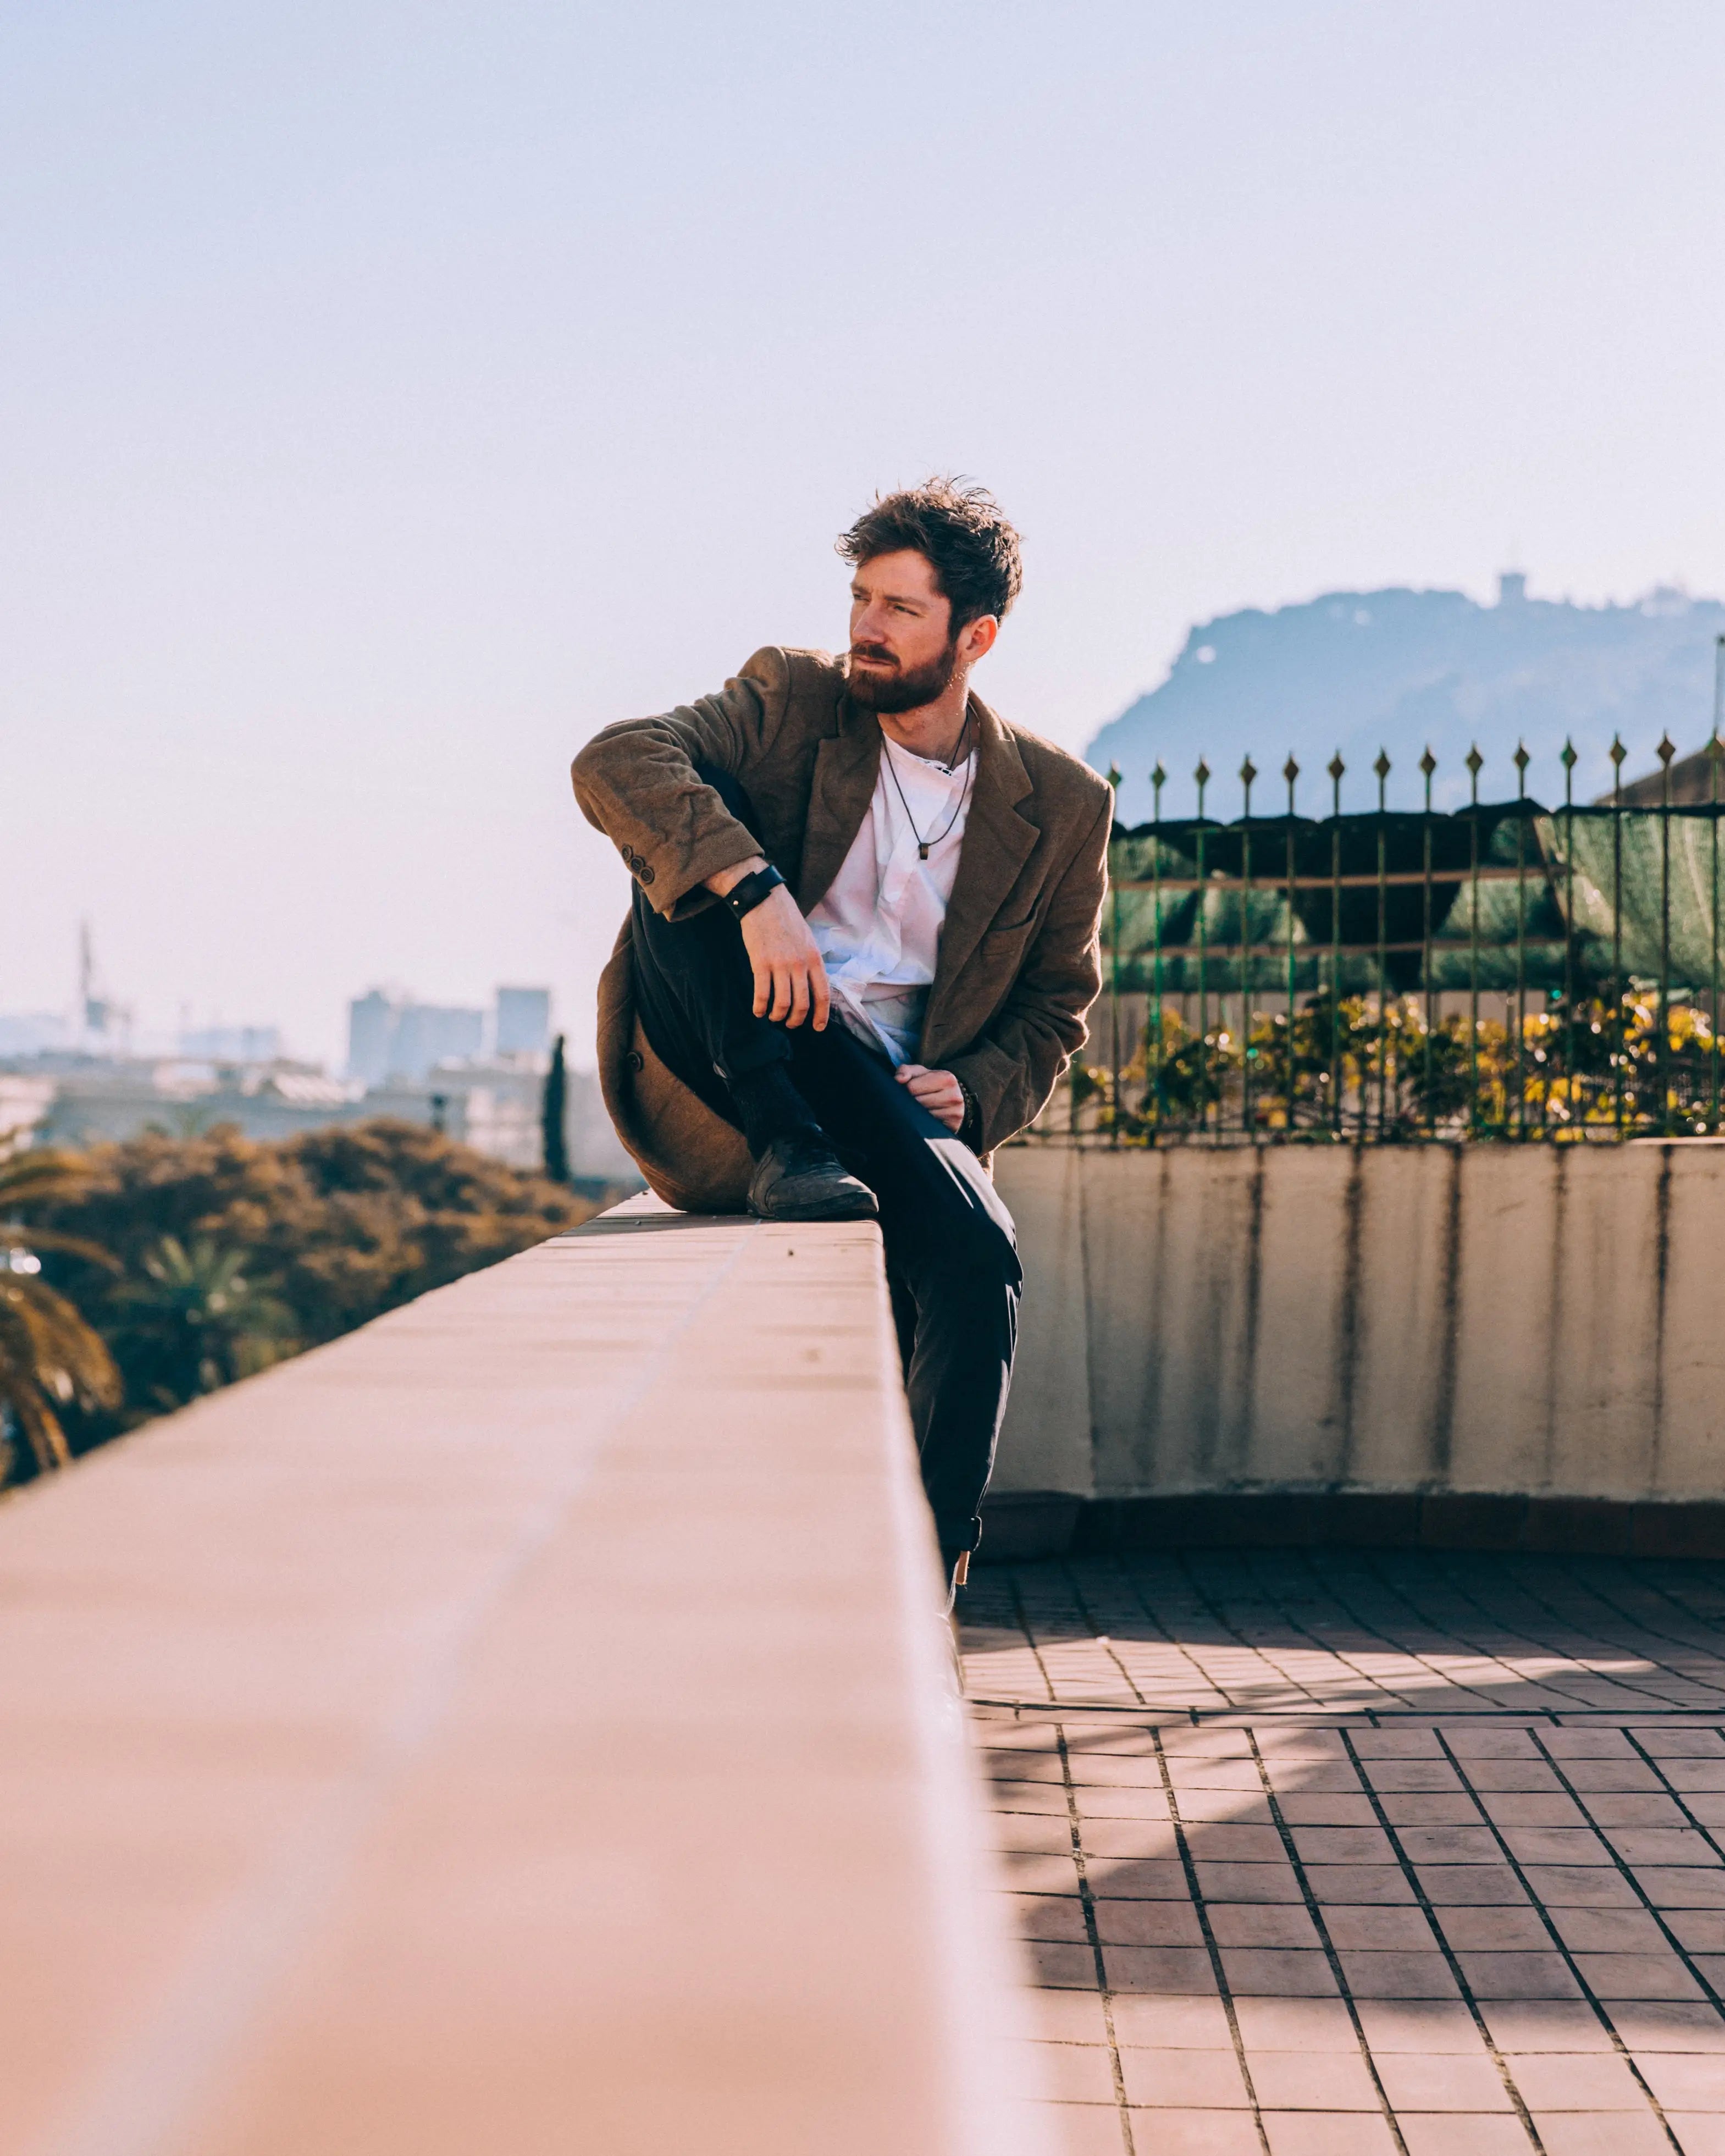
744, 897
971, 1129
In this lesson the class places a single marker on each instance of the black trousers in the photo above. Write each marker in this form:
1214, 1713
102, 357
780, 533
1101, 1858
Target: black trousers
952, 1253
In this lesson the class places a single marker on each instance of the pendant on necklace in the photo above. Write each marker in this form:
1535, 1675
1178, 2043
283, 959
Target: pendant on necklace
923, 853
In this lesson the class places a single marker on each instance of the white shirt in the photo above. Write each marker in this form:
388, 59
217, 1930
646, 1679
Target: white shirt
879, 926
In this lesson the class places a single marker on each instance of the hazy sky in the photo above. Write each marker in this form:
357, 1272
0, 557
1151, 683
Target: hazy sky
391, 394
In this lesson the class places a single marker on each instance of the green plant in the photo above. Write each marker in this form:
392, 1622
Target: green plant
196, 1321
50, 1357
333, 1227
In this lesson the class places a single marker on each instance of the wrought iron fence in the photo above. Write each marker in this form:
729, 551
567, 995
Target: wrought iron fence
1505, 970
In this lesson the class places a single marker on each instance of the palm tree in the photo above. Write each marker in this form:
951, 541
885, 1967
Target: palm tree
195, 1322
49, 1356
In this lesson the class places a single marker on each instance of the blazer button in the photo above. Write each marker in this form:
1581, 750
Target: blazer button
644, 871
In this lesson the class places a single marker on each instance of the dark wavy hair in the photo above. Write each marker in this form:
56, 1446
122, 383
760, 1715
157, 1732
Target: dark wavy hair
960, 531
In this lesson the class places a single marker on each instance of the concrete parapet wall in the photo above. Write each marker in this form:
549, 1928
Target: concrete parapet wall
1541, 1322
523, 1726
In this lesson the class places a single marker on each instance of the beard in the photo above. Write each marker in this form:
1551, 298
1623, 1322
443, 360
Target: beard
902, 690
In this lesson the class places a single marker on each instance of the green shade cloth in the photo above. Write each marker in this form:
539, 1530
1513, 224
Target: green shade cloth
1547, 867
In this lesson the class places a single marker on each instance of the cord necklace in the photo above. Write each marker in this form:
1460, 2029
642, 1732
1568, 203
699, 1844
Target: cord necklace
922, 844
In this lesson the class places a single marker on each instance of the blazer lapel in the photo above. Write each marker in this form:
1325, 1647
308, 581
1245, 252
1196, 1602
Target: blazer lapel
846, 765
998, 841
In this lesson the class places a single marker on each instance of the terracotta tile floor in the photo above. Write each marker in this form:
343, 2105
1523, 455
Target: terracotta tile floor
1320, 1855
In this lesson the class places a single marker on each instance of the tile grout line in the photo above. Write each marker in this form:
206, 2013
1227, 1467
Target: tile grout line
1372, 1568
1627, 1870
1640, 1626
1084, 1610
1086, 1902
1429, 1908
1189, 1868
1314, 1910
1207, 1602
1635, 1694
1587, 1992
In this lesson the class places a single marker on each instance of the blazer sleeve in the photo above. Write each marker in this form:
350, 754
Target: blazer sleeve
636, 782
1016, 1061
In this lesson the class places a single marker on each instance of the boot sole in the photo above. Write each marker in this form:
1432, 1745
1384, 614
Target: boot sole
861, 1209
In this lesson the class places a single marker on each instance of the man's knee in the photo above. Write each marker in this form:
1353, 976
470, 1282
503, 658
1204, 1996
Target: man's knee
969, 1254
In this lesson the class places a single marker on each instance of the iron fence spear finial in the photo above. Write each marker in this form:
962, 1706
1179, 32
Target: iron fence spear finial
1381, 765
1716, 753
1666, 750
1574, 1113
1617, 753
1718, 685
1473, 760
1336, 767
1428, 765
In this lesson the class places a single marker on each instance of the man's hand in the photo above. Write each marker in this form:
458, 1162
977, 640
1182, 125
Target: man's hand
938, 1091
790, 980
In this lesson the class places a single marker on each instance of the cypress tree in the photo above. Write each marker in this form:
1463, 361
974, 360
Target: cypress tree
551, 1117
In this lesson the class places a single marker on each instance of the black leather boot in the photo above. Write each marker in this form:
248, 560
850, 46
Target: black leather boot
800, 1177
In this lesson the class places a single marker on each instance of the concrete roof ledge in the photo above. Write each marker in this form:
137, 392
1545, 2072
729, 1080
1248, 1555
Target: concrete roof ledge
521, 1727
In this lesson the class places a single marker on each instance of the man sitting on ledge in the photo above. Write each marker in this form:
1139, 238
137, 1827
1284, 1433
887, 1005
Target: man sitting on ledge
861, 839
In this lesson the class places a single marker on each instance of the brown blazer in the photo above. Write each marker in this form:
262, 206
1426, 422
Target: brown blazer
1017, 967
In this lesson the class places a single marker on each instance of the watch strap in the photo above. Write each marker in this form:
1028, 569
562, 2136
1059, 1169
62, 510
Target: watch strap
744, 897
971, 1129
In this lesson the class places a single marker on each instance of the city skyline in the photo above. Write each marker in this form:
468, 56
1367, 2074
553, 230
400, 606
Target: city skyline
397, 400
509, 1020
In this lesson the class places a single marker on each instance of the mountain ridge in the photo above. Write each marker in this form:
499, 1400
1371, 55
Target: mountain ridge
1400, 669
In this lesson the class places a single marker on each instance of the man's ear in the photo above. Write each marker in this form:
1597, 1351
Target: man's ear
978, 638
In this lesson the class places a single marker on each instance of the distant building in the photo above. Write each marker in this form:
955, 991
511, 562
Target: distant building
234, 1043
523, 1025
371, 1028
67, 1084
427, 1034
95, 1098
27, 1033
25, 1103
390, 1038
72, 1099
1695, 784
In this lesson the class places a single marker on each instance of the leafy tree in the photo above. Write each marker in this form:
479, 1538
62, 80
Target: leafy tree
50, 1358
335, 1227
